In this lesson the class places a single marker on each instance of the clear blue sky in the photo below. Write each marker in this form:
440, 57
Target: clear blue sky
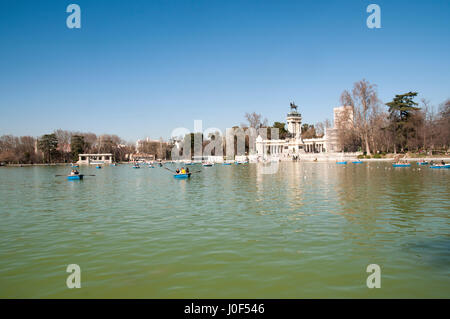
143, 68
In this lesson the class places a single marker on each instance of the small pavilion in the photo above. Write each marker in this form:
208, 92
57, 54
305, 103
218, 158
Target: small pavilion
88, 159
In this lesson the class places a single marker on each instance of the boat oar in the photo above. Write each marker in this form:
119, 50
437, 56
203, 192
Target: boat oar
73, 175
179, 173
169, 169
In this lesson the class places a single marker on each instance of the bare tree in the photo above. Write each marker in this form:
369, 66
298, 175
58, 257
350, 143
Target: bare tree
320, 129
346, 99
255, 120
365, 99
443, 123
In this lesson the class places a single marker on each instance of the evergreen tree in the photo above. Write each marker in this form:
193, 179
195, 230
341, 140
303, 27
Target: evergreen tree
77, 146
48, 144
282, 132
401, 110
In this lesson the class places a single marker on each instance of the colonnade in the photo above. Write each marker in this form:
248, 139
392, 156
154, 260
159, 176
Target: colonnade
273, 149
315, 148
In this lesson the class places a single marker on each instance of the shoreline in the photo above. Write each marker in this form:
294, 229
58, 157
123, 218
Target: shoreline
308, 160
412, 159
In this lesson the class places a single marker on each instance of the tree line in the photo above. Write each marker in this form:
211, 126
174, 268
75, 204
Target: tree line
61, 147
160, 149
401, 125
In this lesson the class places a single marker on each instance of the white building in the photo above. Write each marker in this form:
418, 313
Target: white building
95, 159
295, 146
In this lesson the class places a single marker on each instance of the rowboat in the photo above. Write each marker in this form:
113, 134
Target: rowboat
75, 177
422, 163
440, 166
98, 167
226, 164
151, 166
207, 164
136, 166
357, 162
182, 176
113, 164
342, 163
401, 165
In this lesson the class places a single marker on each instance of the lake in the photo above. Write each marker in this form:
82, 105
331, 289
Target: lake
307, 231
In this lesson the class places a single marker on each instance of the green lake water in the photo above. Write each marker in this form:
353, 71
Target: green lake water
307, 231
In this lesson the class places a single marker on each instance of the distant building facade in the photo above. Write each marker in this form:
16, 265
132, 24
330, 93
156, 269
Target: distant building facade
295, 145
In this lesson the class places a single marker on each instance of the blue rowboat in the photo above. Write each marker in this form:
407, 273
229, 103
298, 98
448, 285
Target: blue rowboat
422, 163
75, 177
182, 176
440, 166
136, 167
151, 166
207, 165
75, 166
226, 164
401, 165
342, 163
357, 162
98, 167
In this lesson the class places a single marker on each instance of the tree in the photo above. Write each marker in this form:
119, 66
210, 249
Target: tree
282, 132
401, 110
48, 144
106, 144
320, 129
77, 145
255, 120
308, 131
25, 150
443, 124
363, 100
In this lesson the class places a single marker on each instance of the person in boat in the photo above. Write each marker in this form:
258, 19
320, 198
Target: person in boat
442, 162
177, 171
183, 171
74, 172
431, 162
187, 170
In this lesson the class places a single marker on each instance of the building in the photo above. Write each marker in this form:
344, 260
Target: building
93, 159
295, 146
